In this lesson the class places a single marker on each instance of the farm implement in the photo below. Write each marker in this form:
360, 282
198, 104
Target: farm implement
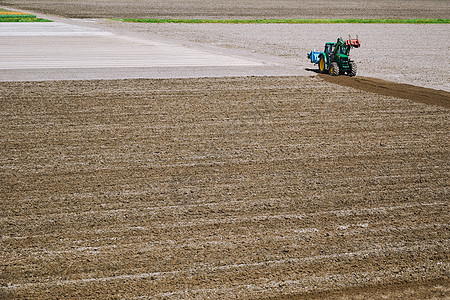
335, 58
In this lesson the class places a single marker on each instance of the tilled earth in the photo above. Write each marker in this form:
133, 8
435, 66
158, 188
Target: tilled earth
235, 8
221, 188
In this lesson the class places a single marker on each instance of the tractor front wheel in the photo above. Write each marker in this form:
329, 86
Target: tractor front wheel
353, 69
334, 69
322, 65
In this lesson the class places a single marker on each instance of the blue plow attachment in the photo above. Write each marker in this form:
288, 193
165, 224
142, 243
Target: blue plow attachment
314, 56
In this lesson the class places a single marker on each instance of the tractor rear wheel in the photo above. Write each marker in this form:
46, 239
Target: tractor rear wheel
334, 69
353, 69
322, 64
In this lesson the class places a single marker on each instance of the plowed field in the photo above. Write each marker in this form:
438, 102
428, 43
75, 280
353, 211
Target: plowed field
221, 188
241, 8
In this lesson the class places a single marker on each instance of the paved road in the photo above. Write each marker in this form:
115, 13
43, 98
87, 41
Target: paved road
60, 50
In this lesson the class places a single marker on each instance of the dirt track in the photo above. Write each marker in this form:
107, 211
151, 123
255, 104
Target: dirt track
238, 187
388, 88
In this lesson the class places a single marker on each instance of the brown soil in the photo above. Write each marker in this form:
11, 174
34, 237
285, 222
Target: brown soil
242, 8
388, 88
221, 188
434, 289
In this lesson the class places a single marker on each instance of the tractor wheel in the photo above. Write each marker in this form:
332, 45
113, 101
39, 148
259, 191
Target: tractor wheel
322, 65
334, 69
353, 69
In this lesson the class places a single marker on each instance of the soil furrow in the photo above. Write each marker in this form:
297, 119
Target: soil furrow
154, 188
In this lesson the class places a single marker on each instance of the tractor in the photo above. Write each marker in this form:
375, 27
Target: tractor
335, 58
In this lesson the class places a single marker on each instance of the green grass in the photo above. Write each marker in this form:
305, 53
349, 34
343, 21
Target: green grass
293, 21
24, 20
19, 18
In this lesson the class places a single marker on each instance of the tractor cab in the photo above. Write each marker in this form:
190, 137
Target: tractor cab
343, 49
336, 49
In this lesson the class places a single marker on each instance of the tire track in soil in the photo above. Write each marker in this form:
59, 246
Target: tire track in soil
218, 187
393, 89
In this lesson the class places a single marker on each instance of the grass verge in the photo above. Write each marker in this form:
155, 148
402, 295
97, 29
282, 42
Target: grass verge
14, 16
293, 21
24, 20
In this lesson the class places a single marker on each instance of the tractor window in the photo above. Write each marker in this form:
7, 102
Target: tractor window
343, 49
329, 48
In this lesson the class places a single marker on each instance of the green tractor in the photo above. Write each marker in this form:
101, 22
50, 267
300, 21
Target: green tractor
335, 58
